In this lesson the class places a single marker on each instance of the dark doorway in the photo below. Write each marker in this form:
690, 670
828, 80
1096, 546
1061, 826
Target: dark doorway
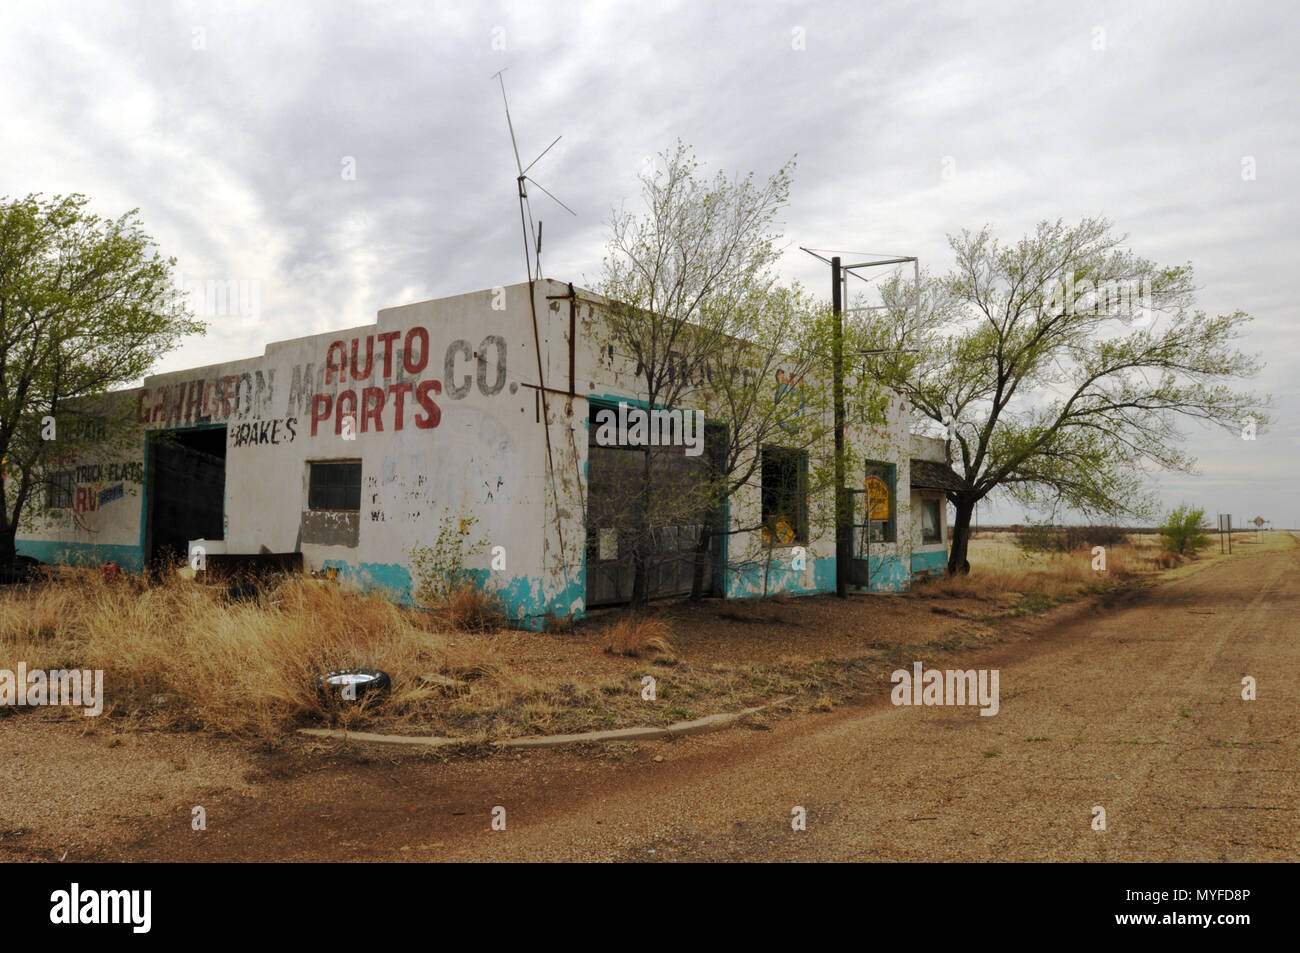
187, 491
614, 475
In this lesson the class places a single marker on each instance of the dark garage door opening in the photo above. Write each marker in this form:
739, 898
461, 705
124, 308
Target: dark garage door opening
187, 491
613, 502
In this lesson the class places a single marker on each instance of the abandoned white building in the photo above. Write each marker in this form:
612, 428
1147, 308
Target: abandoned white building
349, 448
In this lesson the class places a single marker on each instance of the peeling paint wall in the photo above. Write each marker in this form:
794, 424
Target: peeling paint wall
439, 402
102, 521
431, 399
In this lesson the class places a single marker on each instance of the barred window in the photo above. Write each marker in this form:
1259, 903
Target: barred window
334, 485
59, 492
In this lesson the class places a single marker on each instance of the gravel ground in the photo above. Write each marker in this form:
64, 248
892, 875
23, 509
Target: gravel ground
68, 788
1133, 705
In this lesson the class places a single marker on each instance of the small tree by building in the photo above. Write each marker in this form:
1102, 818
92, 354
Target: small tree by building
684, 280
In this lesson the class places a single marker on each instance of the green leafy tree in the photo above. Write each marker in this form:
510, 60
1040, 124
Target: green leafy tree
684, 280
768, 389
1185, 531
86, 305
1060, 367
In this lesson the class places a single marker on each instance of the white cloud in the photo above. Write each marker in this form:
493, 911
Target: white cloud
232, 151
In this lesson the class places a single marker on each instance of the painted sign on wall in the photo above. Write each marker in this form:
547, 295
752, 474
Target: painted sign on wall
878, 498
367, 384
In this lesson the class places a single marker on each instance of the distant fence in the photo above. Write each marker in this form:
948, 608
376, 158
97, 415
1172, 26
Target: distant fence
1021, 527
1067, 539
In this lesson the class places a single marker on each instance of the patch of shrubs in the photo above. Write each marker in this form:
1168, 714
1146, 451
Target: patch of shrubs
1047, 538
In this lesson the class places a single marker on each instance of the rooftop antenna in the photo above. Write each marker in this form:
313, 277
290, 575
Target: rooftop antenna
533, 262
532, 234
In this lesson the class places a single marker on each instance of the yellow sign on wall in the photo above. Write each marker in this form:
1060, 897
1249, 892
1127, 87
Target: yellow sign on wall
785, 534
877, 498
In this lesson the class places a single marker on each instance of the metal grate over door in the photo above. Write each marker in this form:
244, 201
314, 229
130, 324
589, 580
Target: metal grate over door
613, 505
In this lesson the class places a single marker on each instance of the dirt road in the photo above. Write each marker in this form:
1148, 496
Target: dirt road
1135, 707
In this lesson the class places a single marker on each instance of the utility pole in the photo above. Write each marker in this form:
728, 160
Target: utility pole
843, 499
843, 519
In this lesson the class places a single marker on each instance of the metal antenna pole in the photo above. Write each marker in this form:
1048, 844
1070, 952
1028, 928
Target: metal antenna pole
525, 212
526, 224
510, 125
843, 543
533, 257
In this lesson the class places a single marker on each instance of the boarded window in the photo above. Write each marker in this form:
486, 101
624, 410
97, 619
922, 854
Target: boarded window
59, 491
930, 531
335, 485
785, 496
880, 501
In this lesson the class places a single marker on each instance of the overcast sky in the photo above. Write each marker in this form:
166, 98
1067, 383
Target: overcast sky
234, 127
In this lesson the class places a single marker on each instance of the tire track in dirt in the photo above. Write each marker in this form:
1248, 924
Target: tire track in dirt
1255, 793
877, 782
925, 784
1147, 796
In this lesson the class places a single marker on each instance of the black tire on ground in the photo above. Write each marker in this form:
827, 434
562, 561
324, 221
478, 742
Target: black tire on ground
365, 681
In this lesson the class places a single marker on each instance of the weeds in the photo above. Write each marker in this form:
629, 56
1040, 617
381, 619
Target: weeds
638, 638
241, 668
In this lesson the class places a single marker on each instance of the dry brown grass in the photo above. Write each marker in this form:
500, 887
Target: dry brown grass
637, 638
1001, 570
470, 609
248, 668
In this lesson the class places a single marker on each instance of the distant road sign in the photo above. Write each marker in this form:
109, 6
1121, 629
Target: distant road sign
1259, 521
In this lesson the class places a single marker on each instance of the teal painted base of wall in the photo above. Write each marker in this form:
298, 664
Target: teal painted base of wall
521, 596
745, 580
392, 579
526, 606
888, 574
929, 564
130, 558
